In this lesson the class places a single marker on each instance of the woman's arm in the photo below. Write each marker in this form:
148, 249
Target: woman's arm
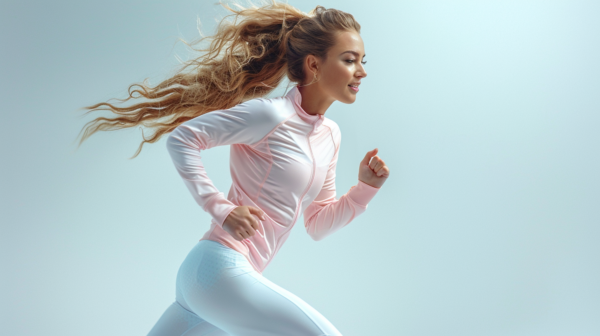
326, 214
245, 123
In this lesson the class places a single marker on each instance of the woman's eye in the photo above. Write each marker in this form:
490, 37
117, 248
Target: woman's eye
350, 61
364, 62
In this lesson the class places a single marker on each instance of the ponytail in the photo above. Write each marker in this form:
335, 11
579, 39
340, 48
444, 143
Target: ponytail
248, 57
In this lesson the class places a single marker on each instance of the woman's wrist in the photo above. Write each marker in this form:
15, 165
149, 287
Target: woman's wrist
362, 193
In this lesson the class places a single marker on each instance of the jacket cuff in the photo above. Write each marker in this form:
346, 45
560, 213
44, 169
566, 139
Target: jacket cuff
219, 208
362, 193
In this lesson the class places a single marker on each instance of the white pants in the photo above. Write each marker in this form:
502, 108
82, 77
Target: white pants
219, 293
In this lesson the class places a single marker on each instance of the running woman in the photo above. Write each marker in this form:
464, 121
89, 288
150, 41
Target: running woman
284, 153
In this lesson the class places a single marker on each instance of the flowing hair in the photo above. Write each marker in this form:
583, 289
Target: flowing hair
247, 58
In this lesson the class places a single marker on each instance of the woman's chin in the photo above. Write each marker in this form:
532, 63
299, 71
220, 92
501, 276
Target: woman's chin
345, 97
349, 99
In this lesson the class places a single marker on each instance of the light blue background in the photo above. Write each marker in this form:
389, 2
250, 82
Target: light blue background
486, 112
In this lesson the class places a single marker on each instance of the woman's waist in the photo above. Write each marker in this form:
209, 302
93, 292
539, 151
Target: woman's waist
280, 208
258, 248
226, 245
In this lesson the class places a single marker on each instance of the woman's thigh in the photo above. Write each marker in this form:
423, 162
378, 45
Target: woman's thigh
220, 286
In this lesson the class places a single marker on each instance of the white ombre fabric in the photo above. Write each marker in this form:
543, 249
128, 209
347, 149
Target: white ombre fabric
283, 161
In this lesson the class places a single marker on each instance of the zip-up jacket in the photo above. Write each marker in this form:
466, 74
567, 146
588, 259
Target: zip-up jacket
282, 160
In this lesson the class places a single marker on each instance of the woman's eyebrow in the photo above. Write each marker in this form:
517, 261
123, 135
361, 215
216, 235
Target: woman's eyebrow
353, 52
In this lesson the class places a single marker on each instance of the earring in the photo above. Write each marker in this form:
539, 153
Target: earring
313, 81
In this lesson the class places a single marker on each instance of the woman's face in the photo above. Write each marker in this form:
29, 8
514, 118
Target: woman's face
341, 72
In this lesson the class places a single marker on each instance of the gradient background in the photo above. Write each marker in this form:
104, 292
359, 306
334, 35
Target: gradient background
486, 112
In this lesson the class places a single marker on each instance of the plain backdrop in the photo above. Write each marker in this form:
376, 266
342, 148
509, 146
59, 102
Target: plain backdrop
486, 112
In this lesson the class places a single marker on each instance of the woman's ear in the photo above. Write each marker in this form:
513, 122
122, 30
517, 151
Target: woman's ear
312, 66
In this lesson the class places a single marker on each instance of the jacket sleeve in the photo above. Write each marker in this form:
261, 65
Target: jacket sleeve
246, 123
326, 214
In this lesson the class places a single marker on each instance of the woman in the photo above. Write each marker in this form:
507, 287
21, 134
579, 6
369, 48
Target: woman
283, 161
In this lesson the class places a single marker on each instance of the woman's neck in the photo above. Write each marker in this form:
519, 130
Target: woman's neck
314, 100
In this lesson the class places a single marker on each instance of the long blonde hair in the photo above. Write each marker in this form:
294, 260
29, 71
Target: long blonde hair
247, 58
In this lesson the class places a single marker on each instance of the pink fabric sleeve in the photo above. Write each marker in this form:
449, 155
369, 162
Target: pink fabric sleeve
326, 214
245, 123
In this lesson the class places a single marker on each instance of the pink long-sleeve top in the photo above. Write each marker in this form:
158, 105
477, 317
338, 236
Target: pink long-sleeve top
282, 161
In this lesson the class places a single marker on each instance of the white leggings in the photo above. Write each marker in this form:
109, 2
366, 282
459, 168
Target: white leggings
218, 293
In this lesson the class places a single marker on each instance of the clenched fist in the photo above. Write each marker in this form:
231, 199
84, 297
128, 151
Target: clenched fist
241, 223
372, 170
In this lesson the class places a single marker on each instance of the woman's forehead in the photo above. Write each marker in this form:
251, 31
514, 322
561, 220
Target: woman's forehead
349, 42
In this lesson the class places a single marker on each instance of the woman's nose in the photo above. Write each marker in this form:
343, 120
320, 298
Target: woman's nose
362, 72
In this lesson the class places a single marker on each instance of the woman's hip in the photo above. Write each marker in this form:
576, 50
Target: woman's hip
218, 284
209, 262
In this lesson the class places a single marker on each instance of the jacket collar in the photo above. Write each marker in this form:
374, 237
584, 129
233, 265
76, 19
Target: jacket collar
313, 119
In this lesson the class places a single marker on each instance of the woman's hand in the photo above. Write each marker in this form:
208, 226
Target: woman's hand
375, 172
241, 224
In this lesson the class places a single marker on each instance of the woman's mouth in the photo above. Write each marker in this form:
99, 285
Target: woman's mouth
354, 87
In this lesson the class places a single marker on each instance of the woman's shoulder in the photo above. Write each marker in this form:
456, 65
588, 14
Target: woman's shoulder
277, 107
